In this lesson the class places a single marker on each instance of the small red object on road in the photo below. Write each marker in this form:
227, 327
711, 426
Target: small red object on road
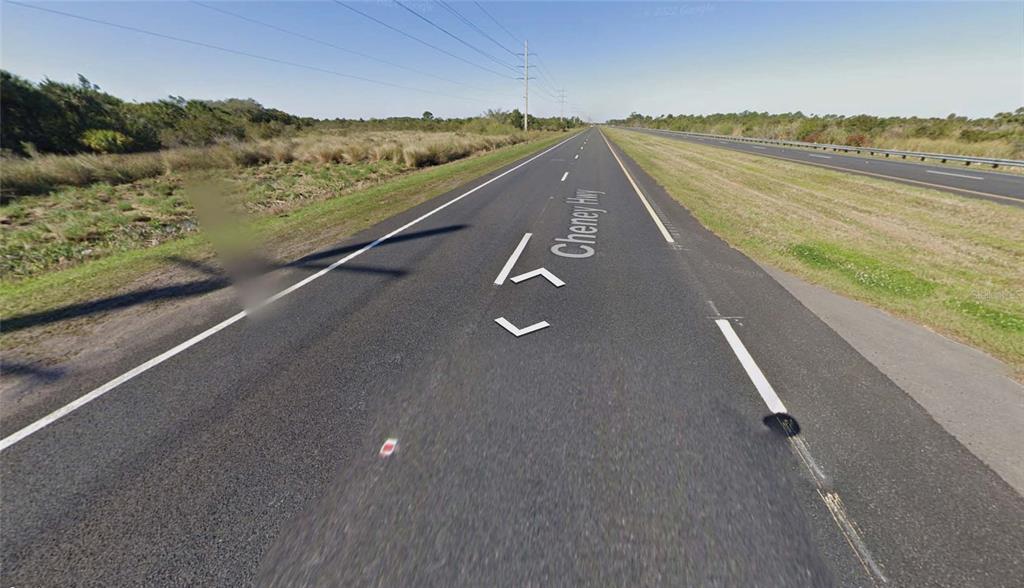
389, 447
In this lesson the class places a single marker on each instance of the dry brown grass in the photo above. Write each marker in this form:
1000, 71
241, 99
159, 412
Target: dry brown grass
412, 149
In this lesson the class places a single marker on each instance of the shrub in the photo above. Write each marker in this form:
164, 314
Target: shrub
106, 141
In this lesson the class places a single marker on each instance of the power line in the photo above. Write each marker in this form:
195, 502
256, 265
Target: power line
461, 17
454, 36
332, 45
421, 41
238, 52
501, 26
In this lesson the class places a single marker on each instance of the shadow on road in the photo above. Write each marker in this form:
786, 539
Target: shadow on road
783, 424
218, 279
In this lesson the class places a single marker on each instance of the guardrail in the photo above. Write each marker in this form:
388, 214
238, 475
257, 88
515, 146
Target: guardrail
966, 159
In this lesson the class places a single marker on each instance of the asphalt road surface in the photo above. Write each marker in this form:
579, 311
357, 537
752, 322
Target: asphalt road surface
612, 431
976, 182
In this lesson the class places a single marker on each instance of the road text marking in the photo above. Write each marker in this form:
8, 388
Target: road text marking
647, 205
520, 332
67, 409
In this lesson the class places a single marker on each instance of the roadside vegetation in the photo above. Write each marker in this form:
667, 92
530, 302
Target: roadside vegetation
52, 117
85, 174
333, 201
1000, 136
98, 196
953, 264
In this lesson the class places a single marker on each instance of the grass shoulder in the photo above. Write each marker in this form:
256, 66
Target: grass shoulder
953, 264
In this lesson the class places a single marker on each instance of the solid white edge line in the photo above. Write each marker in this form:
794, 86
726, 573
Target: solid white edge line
565, 175
647, 205
81, 401
764, 388
505, 269
942, 173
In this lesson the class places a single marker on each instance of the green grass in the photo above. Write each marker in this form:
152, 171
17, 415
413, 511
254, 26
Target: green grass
285, 235
951, 263
75, 224
862, 270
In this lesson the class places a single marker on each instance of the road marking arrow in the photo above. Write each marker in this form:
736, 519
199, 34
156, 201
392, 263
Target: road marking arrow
539, 272
520, 332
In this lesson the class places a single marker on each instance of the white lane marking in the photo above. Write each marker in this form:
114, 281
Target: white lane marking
647, 205
539, 272
758, 147
577, 156
764, 388
107, 387
829, 496
520, 332
505, 269
565, 175
819, 156
389, 447
581, 147
942, 173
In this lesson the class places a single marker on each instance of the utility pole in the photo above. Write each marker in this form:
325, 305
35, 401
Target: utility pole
526, 84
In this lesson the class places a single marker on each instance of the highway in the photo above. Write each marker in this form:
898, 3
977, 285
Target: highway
975, 182
578, 383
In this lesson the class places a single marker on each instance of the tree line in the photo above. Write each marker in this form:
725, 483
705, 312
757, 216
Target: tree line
67, 118
838, 129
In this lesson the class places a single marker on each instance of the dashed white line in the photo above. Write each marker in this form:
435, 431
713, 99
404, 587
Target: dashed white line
942, 173
764, 388
828, 495
565, 175
67, 409
512, 260
577, 156
647, 205
758, 147
819, 156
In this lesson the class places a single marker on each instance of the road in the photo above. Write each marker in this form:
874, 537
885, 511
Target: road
1005, 188
628, 442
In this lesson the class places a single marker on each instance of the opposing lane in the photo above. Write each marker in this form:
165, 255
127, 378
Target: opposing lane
973, 182
623, 444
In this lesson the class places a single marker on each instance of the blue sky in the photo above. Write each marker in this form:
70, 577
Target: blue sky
895, 58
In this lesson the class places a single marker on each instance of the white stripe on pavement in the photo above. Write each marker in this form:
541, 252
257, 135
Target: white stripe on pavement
67, 409
647, 205
512, 260
819, 156
942, 173
764, 388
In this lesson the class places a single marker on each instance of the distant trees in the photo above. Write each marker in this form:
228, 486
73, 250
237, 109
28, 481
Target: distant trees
1002, 134
55, 117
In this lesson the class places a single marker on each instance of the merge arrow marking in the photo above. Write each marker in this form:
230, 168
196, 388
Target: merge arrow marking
558, 283
520, 332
